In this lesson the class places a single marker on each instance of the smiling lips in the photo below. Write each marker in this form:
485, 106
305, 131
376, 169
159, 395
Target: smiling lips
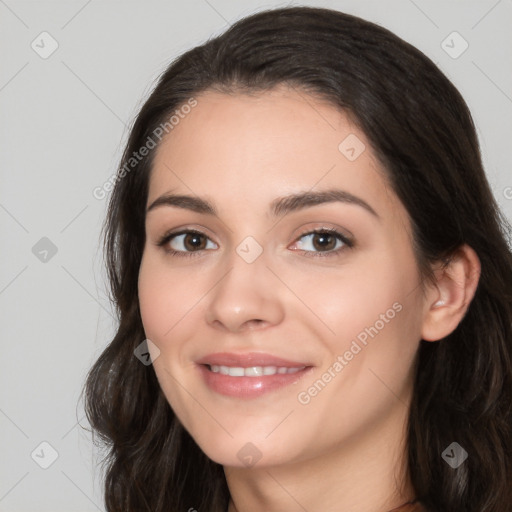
249, 375
251, 371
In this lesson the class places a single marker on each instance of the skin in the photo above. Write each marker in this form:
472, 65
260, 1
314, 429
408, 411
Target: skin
345, 449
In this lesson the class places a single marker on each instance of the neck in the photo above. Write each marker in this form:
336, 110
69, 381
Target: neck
366, 473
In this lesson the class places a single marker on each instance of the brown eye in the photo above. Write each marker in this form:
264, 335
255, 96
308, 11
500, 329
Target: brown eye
194, 241
185, 243
322, 242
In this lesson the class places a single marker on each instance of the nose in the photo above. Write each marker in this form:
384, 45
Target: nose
247, 297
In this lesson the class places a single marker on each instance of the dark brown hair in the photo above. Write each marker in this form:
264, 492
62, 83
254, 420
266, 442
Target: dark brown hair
422, 132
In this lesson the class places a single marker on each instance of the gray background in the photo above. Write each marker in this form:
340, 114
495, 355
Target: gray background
65, 119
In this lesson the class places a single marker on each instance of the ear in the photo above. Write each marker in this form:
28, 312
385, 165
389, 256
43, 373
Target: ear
448, 299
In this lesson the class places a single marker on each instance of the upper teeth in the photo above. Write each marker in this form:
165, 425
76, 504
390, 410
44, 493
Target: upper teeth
253, 371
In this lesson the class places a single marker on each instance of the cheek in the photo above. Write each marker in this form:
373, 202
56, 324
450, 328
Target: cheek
155, 301
368, 315
342, 303
166, 297
166, 305
369, 357
378, 326
378, 292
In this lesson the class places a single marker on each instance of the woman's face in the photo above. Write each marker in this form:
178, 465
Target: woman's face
253, 279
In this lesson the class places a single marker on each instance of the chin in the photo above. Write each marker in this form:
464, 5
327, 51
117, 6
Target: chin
242, 452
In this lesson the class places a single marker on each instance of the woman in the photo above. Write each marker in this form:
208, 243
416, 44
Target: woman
302, 240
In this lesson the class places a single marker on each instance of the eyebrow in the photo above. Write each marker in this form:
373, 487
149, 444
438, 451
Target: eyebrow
279, 206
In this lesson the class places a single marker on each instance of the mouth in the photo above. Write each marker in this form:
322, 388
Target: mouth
249, 375
252, 371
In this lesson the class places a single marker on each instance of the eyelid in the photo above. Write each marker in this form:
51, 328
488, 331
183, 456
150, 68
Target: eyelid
184, 230
322, 227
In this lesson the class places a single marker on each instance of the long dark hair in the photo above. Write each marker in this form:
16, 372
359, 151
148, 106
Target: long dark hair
422, 132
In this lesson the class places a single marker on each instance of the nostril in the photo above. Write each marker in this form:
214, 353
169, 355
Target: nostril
254, 323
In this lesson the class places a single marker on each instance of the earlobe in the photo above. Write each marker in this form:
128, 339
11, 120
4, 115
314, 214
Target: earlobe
448, 299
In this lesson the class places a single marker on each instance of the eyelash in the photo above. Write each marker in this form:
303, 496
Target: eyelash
348, 244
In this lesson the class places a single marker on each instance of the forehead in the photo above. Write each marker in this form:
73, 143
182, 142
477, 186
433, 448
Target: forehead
246, 149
